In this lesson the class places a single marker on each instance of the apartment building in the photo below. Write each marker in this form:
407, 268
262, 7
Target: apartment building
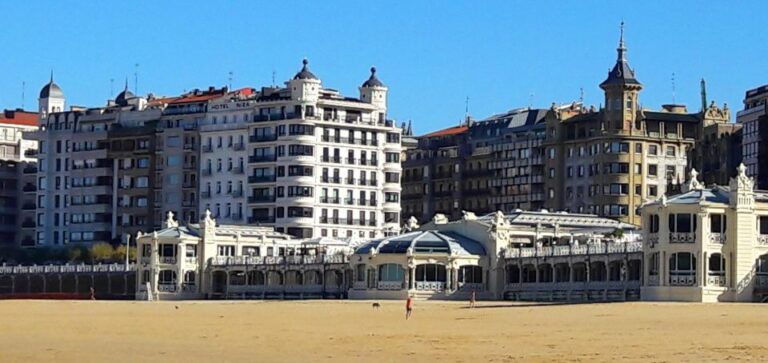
755, 134
610, 161
323, 164
518, 161
17, 166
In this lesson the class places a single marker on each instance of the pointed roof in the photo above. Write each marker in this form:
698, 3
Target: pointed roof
304, 73
373, 81
123, 97
51, 90
621, 74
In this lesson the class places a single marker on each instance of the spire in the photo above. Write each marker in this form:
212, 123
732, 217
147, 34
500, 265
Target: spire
622, 49
126, 84
51, 76
304, 73
621, 73
703, 94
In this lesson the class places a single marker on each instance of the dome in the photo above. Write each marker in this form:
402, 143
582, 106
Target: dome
123, 97
304, 73
425, 242
373, 81
51, 90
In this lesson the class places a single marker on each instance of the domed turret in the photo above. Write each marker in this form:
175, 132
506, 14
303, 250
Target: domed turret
51, 99
373, 81
304, 73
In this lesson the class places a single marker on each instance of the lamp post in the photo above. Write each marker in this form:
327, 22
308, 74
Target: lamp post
127, 239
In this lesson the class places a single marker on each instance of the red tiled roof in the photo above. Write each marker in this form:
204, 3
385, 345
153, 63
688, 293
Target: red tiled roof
198, 98
17, 117
449, 131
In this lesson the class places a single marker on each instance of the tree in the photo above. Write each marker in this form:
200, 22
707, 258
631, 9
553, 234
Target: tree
102, 252
78, 254
119, 254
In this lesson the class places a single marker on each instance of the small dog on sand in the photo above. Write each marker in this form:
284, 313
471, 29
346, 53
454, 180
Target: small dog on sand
375, 306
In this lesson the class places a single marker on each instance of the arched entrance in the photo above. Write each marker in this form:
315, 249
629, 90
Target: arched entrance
430, 277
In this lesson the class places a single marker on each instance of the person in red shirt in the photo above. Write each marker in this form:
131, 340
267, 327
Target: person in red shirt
408, 307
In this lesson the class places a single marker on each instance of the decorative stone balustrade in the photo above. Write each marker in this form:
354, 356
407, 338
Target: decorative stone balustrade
591, 249
430, 286
717, 238
762, 239
682, 237
682, 280
37, 269
389, 285
716, 280
168, 260
278, 260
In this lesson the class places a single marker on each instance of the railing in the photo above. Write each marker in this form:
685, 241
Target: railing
718, 238
390, 285
257, 220
278, 260
682, 280
261, 199
761, 280
334, 180
65, 268
262, 138
716, 280
237, 170
190, 260
682, 237
588, 249
168, 260
238, 146
262, 158
207, 148
430, 285
166, 287
261, 178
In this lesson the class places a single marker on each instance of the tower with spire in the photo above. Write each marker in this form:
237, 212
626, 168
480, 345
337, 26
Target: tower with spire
51, 99
621, 92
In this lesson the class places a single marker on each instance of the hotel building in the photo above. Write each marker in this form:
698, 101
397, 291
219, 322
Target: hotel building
321, 164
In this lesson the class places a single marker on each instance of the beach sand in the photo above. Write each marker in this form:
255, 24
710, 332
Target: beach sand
351, 331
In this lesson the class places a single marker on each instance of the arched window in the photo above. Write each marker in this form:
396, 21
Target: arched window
629, 102
189, 278
682, 269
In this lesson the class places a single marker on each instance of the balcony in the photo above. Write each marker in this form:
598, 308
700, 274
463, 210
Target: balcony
716, 279
169, 260
237, 170
261, 179
189, 203
30, 170
334, 180
262, 158
207, 171
717, 238
207, 148
329, 200
29, 188
371, 162
236, 216
236, 193
238, 146
28, 206
205, 195
682, 237
262, 138
261, 219
332, 159
261, 199
189, 147
274, 117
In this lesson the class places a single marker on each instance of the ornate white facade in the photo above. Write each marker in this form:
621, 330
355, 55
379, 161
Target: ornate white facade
708, 244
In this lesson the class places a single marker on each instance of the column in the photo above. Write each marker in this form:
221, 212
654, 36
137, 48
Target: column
412, 277
449, 286
704, 270
663, 268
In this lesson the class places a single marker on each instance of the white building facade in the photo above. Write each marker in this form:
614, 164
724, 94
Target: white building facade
321, 164
708, 244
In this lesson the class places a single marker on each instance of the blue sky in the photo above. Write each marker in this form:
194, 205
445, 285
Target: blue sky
431, 54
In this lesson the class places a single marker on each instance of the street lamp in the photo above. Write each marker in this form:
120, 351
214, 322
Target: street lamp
127, 239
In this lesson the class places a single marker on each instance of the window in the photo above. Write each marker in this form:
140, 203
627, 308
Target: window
653, 223
391, 272
226, 250
638, 148
653, 150
190, 251
716, 265
682, 269
653, 170
671, 151
717, 223
173, 160
392, 157
652, 190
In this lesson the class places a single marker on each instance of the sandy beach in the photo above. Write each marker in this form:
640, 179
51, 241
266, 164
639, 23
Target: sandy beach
349, 331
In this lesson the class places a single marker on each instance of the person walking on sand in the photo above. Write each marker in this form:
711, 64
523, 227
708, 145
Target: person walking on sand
92, 293
472, 299
408, 307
